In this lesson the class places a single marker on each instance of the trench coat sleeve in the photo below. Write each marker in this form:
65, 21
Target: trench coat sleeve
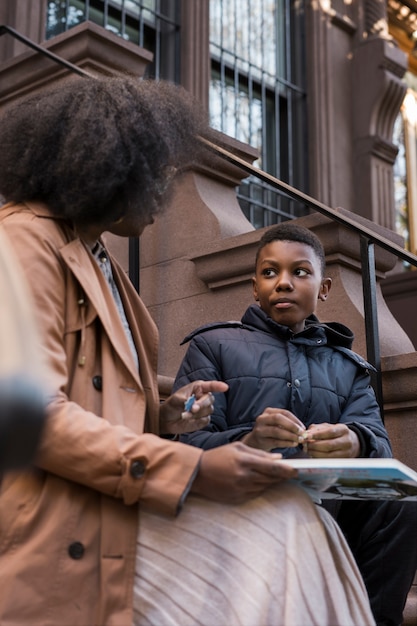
77, 444
114, 460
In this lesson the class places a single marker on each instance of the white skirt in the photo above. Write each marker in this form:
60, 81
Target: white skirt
277, 560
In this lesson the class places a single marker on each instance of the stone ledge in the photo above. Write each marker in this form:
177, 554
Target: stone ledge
87, 46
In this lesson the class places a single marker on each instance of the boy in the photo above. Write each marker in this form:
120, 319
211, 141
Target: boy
296, 387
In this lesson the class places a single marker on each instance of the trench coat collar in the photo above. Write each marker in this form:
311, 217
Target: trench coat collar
81, 263
83, 266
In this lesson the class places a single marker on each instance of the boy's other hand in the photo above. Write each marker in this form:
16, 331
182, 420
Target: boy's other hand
331, 441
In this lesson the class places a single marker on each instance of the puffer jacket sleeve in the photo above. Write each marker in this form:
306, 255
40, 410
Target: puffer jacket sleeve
361, 413
202, 363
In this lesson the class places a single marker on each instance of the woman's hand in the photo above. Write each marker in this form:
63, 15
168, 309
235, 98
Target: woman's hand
174, 419
331, 441
275, 428
235, 473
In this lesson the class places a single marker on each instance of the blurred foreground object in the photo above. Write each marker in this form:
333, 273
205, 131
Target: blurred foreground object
22, 401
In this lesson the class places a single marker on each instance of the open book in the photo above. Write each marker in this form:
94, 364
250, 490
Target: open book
356, 479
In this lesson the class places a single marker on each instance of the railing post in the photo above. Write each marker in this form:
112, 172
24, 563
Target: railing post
371, 316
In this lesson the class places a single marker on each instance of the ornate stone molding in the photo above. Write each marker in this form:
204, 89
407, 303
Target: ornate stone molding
376, 24
377, 70
87, 45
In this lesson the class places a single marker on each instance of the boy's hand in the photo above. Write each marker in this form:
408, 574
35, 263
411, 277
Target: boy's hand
275, 428
236, 473
177, 415
331, 441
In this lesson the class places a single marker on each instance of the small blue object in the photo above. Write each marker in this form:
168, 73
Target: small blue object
189, 403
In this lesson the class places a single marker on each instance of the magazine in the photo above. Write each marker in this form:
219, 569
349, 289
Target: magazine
356, 479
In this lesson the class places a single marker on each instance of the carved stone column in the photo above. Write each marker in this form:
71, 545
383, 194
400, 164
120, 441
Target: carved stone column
329, 36
195, 53
377, 93
28, 17
375, 22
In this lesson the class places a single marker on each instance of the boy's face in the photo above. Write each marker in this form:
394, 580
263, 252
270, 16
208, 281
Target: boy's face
288, 282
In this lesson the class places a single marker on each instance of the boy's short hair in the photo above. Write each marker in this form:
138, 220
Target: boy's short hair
288, 231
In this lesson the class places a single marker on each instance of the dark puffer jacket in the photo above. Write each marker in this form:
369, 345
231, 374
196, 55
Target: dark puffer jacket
314, 374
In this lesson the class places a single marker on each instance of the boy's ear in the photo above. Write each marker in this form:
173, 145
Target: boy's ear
255, 289
325, 287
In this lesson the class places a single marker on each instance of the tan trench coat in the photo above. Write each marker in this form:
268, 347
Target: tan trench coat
68, 527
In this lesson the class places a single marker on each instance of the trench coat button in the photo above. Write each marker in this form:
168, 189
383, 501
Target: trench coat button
76, 550
98, 382
297, 382
137, 469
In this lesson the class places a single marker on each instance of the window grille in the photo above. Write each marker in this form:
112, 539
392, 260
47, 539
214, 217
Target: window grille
257, 96
152, 24
405, 185
257, 92
400, 180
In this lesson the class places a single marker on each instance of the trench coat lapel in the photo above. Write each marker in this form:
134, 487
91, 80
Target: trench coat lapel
146, 343
92, 281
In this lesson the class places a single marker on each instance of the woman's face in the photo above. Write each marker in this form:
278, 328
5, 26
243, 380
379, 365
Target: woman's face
131, 225
134, 222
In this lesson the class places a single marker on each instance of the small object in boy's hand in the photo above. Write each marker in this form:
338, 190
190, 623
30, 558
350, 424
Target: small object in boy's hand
307, 435
188, 404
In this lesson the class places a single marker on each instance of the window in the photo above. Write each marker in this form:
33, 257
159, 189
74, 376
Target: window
402, 16
405, 167
152, 24
257, 92
257, 96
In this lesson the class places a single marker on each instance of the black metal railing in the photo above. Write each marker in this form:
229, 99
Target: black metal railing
368, 237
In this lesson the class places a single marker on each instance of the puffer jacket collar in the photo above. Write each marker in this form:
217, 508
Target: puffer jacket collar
333, 334
254, 318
